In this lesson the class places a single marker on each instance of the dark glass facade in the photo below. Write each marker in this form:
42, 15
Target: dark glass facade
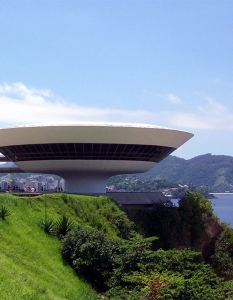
86, 151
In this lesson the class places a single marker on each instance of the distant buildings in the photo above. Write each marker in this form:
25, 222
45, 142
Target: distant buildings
37, 182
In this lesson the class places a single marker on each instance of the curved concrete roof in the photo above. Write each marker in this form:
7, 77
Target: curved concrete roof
93, 133
114, 124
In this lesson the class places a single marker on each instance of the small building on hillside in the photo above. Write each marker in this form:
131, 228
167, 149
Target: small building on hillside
138, 200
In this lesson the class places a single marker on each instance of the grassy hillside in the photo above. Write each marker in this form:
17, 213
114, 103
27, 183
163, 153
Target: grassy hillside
31, 262
106, 250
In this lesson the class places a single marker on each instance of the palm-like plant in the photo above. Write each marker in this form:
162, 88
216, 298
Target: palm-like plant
4, 212
48, 225
63, 226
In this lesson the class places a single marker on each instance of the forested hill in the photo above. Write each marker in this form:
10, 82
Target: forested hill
214, 171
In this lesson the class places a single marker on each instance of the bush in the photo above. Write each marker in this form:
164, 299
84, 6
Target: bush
102, 259
48, 226
63, 226
90, 253
171, 275
4, 212
222, 259
194, 209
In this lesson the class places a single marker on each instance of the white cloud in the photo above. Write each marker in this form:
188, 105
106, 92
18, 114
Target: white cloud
20, 89
213, 107
24, 105
172, 98
212, 115
190, 121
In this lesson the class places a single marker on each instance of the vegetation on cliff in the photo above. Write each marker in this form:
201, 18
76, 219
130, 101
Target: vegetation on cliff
164, 253
151, 265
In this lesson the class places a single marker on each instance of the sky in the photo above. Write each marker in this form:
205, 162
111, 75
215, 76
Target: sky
165, 63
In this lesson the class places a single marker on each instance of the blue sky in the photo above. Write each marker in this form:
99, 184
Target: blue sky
166, 63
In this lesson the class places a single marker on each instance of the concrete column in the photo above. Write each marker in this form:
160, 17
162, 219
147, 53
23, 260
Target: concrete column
85, 183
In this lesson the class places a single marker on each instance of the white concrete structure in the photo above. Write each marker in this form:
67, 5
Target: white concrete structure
86, 155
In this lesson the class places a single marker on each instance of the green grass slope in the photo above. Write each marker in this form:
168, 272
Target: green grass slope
31, 266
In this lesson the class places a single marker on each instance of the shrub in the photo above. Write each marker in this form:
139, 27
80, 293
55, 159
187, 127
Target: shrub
48, 226
222, 259
102, 259
63, 226
171, 274
4, 212
90, 253
194, 209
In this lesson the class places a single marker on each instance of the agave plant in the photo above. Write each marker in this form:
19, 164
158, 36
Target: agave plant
63, 226
48, 225
4, 212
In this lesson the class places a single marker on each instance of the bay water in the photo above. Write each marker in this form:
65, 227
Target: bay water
222, 205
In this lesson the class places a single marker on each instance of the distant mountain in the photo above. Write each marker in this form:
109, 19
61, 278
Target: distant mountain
214, 171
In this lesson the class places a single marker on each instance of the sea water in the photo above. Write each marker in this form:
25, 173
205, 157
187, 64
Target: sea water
222, 205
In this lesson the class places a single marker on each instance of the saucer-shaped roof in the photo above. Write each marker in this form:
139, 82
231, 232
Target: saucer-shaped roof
113, 148
93, 133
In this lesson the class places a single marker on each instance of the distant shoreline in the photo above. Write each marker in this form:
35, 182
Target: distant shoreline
221, 193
